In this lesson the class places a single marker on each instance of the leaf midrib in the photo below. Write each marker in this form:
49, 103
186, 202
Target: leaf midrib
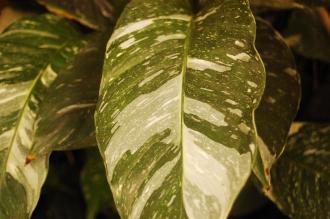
26, 101
182, 96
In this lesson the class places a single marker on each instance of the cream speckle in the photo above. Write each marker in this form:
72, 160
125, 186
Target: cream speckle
204, 111
241, 56
150, 78
252, 84
237, 112
239, 43
201, 65
290, 71
244, 128
126, 44
231, 102
210, 12
48, 76
175, 36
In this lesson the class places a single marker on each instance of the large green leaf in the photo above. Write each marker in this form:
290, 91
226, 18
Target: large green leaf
280, 101
301, 177
174, 121
41, 108
308, 36
285, 4
96, 14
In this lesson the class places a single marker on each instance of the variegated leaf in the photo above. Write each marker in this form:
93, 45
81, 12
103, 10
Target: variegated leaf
301, 177
36, 54
174, 121
280, 101
308, 36
96, 14
286, 4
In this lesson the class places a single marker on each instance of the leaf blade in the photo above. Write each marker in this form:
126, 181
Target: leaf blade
172, 110
35, 55
281, 98
301, 169
98, 14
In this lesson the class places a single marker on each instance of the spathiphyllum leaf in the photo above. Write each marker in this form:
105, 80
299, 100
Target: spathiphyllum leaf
286, 4
175, 116
308, 36
280, 101
96, 14
301, 177
36, 105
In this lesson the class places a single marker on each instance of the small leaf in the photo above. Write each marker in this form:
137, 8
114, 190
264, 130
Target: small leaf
95, 186
280, 101
301, 177
36, 54
174, 120
96, 14
308, 36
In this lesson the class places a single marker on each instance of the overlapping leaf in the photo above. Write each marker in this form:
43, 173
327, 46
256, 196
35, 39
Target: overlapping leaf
175, 116
301, 177
42, 105
280, 101
286, 4
308, 35
94, 184
96, 14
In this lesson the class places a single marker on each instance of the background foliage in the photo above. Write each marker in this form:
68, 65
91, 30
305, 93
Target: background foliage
76, 186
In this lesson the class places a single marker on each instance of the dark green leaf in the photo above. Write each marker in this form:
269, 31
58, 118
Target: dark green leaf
281, 98
175, 117
308, 35
96, 14
301, 177
286, 4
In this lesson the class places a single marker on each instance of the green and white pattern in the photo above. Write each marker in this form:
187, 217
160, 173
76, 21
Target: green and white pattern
33, 51
97, 14
174, 121
301, 177
280, 101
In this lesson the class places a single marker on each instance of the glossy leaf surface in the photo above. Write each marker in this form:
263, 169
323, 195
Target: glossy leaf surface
308, 36
96, 14
280, 101
301, 177
36, 105
286, 4
175, 116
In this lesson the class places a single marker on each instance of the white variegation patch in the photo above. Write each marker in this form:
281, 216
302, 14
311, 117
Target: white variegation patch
153, 184
241, 56
140, 25
207, 14
74, 107
29, 32
48, 76
201, 65
176, 36
216, 171
152, 120
204, 111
